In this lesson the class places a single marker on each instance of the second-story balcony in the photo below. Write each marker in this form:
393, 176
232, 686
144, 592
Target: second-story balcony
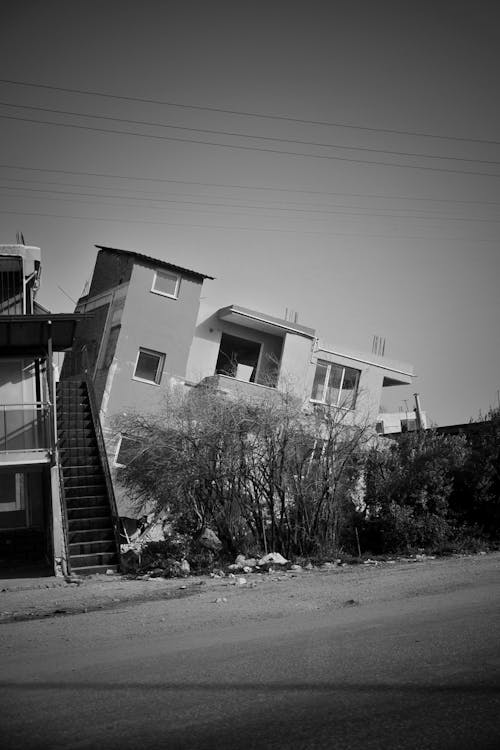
235, 388
24, 429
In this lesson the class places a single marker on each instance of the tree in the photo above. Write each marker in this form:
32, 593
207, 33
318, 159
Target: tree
262, 472
409, 483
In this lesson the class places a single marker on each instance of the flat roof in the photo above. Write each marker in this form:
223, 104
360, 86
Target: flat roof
262, 321
29, 334
403, 369
156, 261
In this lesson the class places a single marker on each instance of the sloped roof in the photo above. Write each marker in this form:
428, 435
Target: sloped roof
155, 261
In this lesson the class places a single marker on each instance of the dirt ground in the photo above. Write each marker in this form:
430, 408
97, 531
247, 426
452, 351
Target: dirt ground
246, 596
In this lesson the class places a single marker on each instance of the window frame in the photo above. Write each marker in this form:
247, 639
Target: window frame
339, 404
19, 496
116, 462
173, 275
159, 370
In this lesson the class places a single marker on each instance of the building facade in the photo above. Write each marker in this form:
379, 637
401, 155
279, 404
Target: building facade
149, 329
55, 512
31, 525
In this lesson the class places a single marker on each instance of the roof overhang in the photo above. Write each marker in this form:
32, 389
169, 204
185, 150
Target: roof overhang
394, 373
30, 334
156, 262
258, 321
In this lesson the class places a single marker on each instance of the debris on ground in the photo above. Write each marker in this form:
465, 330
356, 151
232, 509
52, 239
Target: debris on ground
209, 540
273, 558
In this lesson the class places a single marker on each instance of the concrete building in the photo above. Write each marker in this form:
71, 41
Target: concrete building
40, 492
149, 330
392, 423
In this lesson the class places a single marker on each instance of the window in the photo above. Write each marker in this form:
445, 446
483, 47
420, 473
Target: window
238, 358
126, 451
335, 384
149, 366
11, 492
166, 283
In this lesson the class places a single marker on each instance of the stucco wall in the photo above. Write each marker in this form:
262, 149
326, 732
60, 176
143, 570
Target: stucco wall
295, 365
154, 322
111, 269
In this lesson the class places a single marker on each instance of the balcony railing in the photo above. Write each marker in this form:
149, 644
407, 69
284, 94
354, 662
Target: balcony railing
239, 388
24, 427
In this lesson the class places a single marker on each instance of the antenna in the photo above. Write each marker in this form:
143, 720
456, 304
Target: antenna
66, 293
378, 346
291, 315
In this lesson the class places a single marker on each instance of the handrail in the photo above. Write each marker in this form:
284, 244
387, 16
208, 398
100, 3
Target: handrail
104, 460
64, 516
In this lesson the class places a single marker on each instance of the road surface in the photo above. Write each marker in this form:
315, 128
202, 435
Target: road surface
422, 672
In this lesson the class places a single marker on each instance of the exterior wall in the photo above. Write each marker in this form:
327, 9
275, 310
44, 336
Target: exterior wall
111, 269
292, 352
374, 374
205, 345
296, 365
369, 387
151, 321
89, 334
99, 335
389, 423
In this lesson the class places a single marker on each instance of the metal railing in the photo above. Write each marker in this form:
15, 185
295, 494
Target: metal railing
115, 519
25, 427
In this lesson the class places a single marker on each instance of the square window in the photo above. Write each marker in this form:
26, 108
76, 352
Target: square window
166, 284
335, 384
149, 366
127, 450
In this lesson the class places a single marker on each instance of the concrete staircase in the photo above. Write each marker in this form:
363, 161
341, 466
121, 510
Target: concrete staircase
92, 531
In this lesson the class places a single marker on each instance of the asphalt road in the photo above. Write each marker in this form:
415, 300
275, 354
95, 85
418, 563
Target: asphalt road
420, 673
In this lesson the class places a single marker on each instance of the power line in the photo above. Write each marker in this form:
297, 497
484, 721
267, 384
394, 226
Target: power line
243, 113
239, 147
234, 186
270, 202
273, 230
361, 212
233, 134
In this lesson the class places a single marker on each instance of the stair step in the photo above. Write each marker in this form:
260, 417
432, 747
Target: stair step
77, 440
91, 560
88, 514
90, 524
68, 424
78, 456
81, 479
83, 536
95, 569
86, 474
85, 490
92, 547
86, 501
73, 473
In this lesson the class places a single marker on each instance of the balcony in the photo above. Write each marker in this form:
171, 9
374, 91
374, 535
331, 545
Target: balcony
24, 432
235, 388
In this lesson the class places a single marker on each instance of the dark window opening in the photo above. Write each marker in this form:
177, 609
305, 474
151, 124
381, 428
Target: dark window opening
238, 358
149, 366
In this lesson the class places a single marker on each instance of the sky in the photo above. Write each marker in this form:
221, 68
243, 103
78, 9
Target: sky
338, 159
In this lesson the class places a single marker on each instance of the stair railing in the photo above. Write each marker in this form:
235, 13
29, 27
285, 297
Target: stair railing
64, 506
94, 411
